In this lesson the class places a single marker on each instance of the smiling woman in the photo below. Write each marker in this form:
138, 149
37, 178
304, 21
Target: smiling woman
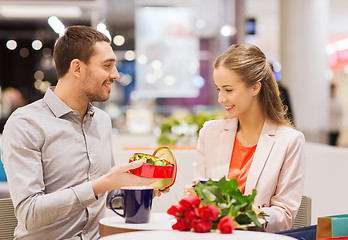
256, 145
234, 95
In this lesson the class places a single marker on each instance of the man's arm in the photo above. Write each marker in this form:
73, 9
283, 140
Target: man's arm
35, 205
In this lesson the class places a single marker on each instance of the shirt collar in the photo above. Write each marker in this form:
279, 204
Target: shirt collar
90, 110
58, 107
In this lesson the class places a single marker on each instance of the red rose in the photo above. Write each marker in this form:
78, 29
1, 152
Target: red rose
176, 210
190, 201
226, 225
182, 224
196, 211
209, 212
201, 226
191, 214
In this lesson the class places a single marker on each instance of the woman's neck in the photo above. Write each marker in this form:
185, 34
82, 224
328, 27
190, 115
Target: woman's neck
249, 128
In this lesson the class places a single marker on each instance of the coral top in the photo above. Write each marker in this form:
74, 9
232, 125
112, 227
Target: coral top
241, 160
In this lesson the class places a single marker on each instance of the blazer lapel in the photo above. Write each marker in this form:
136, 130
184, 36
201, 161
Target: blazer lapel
225, 145
263, 149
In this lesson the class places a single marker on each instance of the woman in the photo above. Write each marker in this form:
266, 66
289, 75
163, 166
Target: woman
256, 144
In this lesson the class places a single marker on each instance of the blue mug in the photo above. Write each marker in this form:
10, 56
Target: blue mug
137, 203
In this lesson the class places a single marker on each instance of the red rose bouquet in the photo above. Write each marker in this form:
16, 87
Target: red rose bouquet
216, 205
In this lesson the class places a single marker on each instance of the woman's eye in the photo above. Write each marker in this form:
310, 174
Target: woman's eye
218, 89
228, 90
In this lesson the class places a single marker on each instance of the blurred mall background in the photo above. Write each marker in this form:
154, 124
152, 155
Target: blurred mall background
166, 50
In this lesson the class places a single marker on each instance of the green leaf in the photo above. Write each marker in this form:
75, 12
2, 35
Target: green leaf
252, 215
199, 190
210, 182
226, 195
243, 219
212, 194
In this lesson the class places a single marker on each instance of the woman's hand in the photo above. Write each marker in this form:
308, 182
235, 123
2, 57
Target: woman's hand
188, 190
158, 192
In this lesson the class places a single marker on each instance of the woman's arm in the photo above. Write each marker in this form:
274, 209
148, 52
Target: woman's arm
285, 202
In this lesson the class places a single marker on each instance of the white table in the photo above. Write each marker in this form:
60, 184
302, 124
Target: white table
116, 224
176, 235
158, 222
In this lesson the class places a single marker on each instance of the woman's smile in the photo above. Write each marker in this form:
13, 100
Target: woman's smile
229, 108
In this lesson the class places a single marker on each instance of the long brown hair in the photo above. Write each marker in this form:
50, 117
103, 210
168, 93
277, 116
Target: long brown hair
77, 43
250, 63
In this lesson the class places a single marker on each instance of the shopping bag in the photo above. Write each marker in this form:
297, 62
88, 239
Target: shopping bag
334, 238
333, 227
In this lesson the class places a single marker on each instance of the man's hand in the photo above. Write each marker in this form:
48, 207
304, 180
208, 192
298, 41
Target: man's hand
119, 176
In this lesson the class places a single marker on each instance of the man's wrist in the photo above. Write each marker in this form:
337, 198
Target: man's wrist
100, 185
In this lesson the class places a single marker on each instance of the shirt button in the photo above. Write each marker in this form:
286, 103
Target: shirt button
84, 231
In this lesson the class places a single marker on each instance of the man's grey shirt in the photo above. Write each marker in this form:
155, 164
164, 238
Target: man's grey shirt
51, 157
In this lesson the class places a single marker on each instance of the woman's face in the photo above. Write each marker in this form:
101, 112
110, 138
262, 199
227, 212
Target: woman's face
234, 95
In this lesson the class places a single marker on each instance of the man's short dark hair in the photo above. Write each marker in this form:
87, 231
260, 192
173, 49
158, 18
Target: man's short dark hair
76, 43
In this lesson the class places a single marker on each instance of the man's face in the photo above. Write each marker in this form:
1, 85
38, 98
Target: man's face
99, 73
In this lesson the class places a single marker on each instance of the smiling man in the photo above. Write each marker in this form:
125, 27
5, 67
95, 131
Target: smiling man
57, 151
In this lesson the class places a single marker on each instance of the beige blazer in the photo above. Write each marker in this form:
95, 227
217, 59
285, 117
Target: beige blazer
277, 170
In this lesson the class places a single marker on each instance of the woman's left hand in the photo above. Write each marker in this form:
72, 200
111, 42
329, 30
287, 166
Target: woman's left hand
158, 192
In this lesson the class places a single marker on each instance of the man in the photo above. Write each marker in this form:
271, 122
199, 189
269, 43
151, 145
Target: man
336, 115
284, 96
57, 151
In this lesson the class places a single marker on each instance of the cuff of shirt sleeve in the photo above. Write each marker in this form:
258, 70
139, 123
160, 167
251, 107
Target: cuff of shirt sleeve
271, 219
117, 202
85, 194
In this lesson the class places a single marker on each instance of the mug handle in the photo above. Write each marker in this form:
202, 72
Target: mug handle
110, 203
